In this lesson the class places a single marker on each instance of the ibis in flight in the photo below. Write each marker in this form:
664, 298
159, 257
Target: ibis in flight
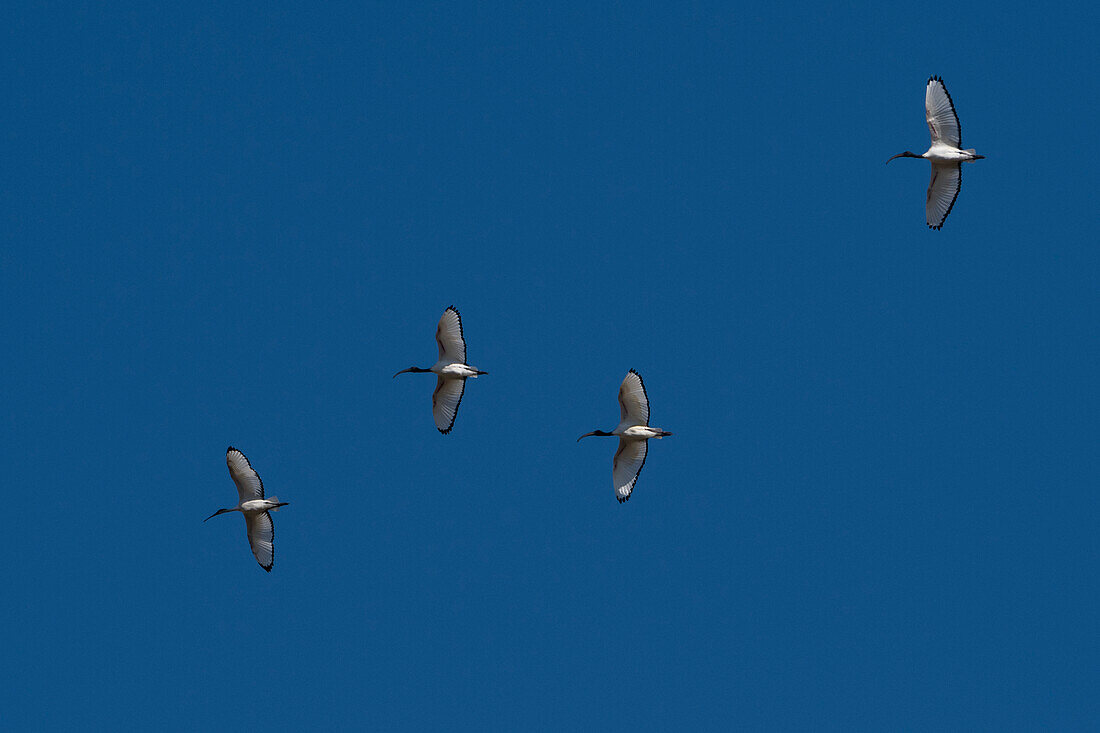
451, 370
946, 156
633, 432
254, 507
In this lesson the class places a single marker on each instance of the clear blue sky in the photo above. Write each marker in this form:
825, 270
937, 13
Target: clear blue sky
230, 224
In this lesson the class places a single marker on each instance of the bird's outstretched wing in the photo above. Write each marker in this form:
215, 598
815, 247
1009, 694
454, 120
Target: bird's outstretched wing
943, 189
249, 485
452, 345
633, 401
628, 463
939, 110
261, 537
445, 401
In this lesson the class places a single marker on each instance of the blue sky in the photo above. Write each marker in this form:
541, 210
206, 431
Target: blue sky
230, 224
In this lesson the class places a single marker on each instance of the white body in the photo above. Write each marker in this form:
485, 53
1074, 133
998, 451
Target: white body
454, 370
451, 370
944, 153
254, 506
633, 432
637, 432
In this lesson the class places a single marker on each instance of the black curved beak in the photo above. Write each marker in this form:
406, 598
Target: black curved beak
405, 370
220, 511
587, 434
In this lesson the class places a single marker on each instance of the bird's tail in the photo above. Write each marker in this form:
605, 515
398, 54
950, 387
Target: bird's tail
277, 504
479, 373
664, 434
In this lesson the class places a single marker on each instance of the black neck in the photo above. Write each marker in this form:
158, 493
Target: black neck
412, 369
906, 154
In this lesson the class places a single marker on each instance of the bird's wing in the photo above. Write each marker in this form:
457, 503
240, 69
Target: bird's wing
633, 401
939, 110
249, 485
943, 189
452, 345
629, 460
445, 400
261, 537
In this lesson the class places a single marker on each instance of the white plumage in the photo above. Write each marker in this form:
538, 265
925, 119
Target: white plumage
451, 370
445, 401
254, 506
633, 432
449, 338
944, 153
939, 112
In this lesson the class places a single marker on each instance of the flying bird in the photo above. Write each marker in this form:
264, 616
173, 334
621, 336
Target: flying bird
254, 507
451, 370
946, 156
633, 432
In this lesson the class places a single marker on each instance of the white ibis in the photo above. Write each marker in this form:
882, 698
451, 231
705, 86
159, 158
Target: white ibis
254, 507
946, 156
451, 370
633, 433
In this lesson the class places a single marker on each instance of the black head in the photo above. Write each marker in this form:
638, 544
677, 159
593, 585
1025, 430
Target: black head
220, 511
412, 369
906, 154
600, 433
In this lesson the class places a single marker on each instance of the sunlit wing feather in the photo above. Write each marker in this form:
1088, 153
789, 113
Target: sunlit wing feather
633, 400
943, 189
445, 401
261, 537
249, 485
628, 463
452, 345
939, 110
